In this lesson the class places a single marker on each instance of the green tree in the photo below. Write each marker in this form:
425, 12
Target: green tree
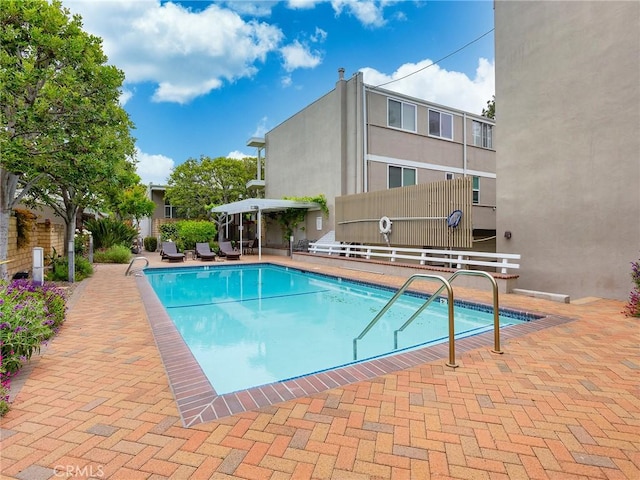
133, 203
490, 111
63, 131
196, 186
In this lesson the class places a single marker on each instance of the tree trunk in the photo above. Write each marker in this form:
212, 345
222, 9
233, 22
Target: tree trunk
5, 216
70, 230
8, 184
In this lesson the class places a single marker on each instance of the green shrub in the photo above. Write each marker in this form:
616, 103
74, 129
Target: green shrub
108, 232
191, 232
60, 269
150, 244
168, 231
115, 254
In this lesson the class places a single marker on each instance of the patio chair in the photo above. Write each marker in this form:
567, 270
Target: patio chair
301, 245
252, 246
170, 252
227, 251
204, 253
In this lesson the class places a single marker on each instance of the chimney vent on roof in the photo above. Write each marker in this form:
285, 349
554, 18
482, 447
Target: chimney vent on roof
341, 73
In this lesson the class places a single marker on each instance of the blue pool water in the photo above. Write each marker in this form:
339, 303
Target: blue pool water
248, 325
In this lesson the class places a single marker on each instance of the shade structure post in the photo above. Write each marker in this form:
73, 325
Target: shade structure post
259, 234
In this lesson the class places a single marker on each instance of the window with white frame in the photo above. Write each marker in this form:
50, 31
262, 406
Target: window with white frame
440, 124
482, 134
401, 176
476, 190
401, 115
448, 176
169, 210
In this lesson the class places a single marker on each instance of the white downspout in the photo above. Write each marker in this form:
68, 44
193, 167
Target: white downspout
365, 172
464, 145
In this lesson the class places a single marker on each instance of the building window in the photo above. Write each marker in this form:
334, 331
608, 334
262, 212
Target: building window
440, 124
448, 176
401, 176
169, 210
482, 134
476, 190
401, 115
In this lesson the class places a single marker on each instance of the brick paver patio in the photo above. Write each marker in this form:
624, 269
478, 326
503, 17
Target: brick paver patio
562, 402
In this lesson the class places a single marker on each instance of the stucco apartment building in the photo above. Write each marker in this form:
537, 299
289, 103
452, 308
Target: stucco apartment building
163, 213
568, 162
358, 138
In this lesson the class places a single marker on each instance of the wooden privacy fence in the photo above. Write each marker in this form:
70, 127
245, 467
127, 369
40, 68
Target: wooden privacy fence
418, 215
460, 259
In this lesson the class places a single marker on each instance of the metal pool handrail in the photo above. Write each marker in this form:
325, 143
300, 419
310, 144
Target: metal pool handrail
445, 284
496, 316
137, 270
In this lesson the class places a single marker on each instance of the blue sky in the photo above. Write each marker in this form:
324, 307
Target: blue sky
203, 77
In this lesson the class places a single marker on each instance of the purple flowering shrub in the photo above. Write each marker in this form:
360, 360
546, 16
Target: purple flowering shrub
29, 315
632, 308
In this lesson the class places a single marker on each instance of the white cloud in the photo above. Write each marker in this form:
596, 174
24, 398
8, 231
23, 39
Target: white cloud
125, 96
153, 168
261, 128
297, 55
453, 89
368, 12
286, 81
302, 4
319, 35
237, 155
187, 53
260, 8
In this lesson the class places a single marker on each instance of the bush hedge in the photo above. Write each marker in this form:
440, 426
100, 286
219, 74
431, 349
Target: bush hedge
114, 254
150, 244
60, 269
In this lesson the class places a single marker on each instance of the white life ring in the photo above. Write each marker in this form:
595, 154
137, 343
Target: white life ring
385, 225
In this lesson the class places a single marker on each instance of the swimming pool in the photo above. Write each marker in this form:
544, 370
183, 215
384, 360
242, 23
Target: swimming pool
249, 325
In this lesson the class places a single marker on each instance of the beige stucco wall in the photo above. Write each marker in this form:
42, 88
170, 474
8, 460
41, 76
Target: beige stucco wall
158, 198
568, 157
315, 151
321, 150
432, 157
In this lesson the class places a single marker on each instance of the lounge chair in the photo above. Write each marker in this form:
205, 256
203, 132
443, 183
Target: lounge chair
170, 252
227, 251
204, 253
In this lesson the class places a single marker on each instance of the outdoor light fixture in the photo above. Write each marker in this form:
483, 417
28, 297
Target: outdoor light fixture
507, 234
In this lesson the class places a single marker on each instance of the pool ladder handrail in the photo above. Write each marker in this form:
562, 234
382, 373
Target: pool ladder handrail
131, 272
401, 290
445, 284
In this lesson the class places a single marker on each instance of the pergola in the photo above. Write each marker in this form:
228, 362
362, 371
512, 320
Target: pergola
259, 205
